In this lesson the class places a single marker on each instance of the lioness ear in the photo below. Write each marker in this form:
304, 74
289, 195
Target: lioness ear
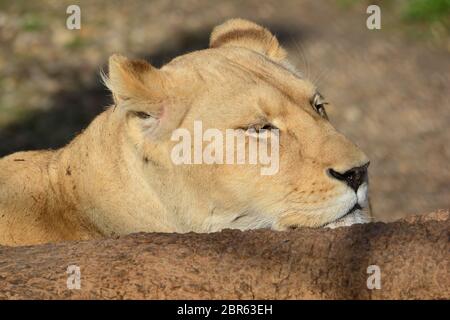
246, 34
141, 91
133, 80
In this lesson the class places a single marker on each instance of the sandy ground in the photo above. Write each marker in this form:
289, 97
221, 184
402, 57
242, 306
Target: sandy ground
389, 91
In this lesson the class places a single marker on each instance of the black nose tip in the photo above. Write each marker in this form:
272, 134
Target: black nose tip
353, 177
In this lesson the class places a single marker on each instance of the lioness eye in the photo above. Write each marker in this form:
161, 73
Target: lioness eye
318, 104
321, 110
256, 130
141, 114
267, 126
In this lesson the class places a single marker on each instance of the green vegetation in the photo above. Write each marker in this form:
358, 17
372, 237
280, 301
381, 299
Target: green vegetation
428, 11
421, 19
32, 22
428, 19
76, 42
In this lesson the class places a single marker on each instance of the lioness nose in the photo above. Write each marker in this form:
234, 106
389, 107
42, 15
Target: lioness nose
353, 177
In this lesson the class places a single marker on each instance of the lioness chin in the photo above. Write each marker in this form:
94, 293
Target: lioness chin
118, 177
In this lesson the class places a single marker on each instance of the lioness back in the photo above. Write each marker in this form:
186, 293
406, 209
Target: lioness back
22, 183
28, 211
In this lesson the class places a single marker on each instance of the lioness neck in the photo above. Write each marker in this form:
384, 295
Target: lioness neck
101, 173
93, 187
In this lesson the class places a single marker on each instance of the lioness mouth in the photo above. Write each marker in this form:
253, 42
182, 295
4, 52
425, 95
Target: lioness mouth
357, 206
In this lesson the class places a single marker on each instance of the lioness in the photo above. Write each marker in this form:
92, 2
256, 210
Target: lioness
117, 177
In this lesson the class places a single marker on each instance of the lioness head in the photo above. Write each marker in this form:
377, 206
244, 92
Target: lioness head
242, 81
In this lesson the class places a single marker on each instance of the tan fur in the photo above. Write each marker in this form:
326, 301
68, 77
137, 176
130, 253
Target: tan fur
117, 176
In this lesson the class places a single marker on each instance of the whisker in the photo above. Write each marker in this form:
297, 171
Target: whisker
301, 51
321, 76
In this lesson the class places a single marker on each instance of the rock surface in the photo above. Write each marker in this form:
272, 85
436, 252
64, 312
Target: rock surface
306, 263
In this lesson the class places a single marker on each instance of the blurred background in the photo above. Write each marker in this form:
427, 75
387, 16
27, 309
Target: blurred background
389, 88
